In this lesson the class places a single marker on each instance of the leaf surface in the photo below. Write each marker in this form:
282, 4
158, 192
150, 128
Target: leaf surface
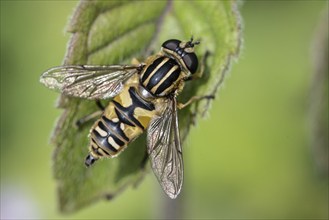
114, 32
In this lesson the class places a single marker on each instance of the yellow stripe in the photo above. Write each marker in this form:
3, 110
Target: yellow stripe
101, 131
164, 78
113, 143
156, 69
176, 84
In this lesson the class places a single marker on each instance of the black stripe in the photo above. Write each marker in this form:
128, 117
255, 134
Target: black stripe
93, 144
100, 125
115, 126
151, 68
138, 101
109, 146
122, 117
168, 82
117, 140
105, 152
103, 127
128, 114
160, 73
96, 133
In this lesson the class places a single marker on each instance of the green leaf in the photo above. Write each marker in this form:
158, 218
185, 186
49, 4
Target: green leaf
113, 32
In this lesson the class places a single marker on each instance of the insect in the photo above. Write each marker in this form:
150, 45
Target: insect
144, 98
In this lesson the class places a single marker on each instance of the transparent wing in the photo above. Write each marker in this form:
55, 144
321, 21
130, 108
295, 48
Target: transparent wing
164, 148
87, 81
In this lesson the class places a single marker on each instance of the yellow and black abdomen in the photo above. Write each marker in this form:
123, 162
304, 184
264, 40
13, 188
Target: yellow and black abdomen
124, 119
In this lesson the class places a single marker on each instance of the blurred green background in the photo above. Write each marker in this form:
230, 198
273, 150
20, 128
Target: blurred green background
251, 158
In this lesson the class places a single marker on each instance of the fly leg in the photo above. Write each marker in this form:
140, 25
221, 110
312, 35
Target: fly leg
194, 113
194, 99
82, 121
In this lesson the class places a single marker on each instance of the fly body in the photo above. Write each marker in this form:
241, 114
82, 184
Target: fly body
144, 98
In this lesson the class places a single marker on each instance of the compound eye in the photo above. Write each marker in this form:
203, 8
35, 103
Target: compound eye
191, 62
171, 44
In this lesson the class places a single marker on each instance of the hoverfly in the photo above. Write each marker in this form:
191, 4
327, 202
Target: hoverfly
144, 97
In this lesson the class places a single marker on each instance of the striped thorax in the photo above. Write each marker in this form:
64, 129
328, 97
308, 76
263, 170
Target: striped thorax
161, 76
